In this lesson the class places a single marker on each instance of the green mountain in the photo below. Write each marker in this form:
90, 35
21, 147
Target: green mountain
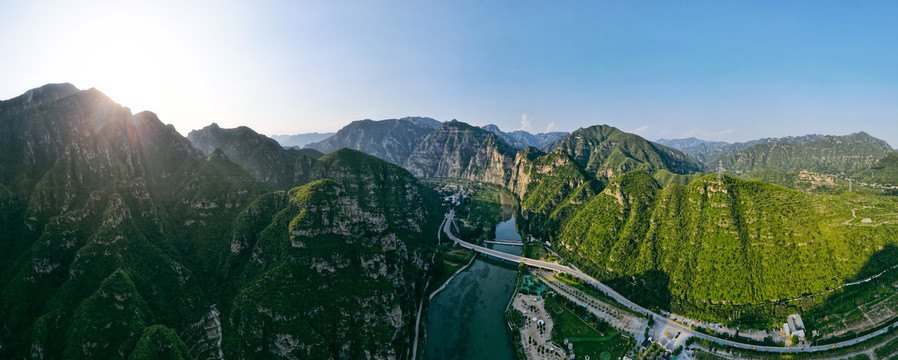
85, 182
120, 239
520, 139
549, 187
707, 152
724, 249
392, 140
459, 150
830, 155
268, 162
804, 180
608, 152
357, 242
883, 172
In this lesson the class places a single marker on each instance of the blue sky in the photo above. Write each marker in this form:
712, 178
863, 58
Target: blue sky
719, 70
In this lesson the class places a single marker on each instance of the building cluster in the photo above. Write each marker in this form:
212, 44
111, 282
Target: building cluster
794, 326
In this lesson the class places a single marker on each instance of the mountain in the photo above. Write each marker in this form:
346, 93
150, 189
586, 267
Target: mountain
459, 150
357, 243
392, 140
723, 247
549, 187
300, 140
829, 154
803, 180
883, 172
520, 139
700, 149
708, 151
267, 161
608, 152
119, 238
86, 185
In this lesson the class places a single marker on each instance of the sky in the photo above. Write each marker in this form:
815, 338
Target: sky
717, 70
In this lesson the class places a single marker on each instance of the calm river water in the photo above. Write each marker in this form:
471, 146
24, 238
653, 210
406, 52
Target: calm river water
467, 319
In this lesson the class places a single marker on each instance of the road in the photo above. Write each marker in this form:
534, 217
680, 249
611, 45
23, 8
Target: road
637, 308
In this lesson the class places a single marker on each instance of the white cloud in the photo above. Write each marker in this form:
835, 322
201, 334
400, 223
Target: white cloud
640, 130
525, 124
551, 127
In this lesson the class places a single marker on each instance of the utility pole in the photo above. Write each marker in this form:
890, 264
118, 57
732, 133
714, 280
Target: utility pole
719, 171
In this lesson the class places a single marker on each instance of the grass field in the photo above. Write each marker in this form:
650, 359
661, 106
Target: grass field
587, 340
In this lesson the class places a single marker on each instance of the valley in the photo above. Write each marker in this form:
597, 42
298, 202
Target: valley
110, 218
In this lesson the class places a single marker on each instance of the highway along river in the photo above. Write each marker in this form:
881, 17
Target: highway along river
467, 319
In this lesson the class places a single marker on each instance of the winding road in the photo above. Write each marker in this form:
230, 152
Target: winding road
637, 308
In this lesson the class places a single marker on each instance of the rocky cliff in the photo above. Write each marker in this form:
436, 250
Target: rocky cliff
459, 150
392, 140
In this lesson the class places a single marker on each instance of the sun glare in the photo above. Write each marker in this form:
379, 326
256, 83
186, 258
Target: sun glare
131, 62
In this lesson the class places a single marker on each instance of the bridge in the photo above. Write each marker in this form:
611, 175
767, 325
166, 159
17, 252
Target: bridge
504, 242
660, 319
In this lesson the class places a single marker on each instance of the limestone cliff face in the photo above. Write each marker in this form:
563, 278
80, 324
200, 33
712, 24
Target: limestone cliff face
391, 140
349, 267
549, 187
458, 150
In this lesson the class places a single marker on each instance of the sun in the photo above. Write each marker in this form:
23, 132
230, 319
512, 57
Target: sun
131, 62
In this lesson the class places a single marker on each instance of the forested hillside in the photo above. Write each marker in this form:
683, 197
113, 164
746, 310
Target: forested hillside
723, 247
607, 152
830, 155
121, 239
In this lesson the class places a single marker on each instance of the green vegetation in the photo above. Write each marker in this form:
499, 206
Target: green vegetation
159, 342
589, 335
883, 172
665, 178
608, 152
446, 262
887, 349
724, 250
803, 180
829, 155
119, 237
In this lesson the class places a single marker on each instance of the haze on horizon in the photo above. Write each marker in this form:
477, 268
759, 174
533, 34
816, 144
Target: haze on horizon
715, 70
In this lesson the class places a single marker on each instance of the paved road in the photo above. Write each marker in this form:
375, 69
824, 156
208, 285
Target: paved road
635, 307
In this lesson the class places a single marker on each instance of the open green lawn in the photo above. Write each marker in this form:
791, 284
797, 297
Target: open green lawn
587, 339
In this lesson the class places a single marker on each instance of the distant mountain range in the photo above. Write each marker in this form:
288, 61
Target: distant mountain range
520, 139
708, 151
300, 140
821, 153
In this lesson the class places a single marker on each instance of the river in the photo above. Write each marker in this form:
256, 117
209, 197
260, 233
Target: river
467, 319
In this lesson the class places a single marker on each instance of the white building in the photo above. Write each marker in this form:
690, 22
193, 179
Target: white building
794, 326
